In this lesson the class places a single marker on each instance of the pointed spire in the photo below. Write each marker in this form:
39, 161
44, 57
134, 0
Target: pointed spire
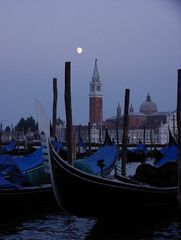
131, 109
119, 111
95, 76
148, 99
119, 106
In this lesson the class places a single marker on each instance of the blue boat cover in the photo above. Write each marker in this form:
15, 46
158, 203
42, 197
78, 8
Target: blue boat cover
4, 184
9, 147
17, 169
83, 166
58, 146
82, 145
140, 148
8, 168
108, 154
29, 161
171, 154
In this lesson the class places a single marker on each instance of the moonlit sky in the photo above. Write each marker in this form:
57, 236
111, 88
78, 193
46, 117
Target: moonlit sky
137, 44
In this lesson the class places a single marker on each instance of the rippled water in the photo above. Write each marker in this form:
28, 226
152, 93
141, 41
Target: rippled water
57, 225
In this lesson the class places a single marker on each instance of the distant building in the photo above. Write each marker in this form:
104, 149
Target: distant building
148, 125
95, 106
95, 98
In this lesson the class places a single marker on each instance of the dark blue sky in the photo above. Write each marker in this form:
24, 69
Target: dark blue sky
137, 44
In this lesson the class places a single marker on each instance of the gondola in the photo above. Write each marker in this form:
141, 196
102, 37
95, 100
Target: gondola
8, 148
137, 154
102, 161
171, 151
24, 200
24, 193
89, 195
20, 170
25, 186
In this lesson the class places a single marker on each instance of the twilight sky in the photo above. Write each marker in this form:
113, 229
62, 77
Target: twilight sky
137, 44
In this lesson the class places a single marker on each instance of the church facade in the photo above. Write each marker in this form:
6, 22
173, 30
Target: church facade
148, 125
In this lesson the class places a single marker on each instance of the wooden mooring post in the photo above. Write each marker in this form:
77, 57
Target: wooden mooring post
89, 135
125, 132
1, 129
54, 117
179, 136
79, 137
68, 110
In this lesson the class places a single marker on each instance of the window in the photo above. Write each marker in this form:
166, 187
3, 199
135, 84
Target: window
98, 88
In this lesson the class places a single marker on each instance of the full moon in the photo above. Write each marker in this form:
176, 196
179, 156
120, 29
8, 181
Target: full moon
79, 50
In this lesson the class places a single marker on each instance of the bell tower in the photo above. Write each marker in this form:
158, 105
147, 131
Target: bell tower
95, 99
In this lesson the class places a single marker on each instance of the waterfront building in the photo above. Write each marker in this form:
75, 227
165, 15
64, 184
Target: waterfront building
148, 125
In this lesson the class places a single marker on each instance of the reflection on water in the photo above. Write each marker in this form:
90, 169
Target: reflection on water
172, 231
64, 226
131, 231
50, 226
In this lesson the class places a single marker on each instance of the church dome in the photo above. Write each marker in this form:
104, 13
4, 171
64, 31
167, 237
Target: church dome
148, 106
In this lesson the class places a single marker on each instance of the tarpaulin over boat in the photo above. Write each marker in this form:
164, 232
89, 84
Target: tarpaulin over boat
8, 168
4, 184
24, 170
106, 155
140, 148
83, 166
137, 154
82, 146
30, 161
58, 146
170, 155
9, 147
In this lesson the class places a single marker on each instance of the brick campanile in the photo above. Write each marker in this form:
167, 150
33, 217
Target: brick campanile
95, 99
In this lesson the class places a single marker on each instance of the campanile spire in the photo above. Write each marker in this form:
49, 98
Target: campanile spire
95, 76
95, 98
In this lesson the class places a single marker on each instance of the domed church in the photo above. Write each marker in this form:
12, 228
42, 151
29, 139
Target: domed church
148, 107
144, 125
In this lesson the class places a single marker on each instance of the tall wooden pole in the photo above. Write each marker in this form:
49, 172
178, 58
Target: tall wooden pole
151, 138
1, 128
117, 131
179, 135
54, 117
100, 135
18, 140
144, 132
68, 109
89, 129
174, 126
125, 132
79, 137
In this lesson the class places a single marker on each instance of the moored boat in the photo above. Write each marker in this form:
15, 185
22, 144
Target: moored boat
87, 195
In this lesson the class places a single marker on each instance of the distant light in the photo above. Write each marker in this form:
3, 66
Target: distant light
79, 50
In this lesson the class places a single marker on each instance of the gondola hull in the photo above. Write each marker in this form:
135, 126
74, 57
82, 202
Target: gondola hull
87, 195
25, 200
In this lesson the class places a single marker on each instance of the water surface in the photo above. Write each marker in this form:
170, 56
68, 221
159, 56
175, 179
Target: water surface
57, 225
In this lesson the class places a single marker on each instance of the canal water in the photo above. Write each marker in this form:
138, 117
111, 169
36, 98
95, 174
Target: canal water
61, 226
